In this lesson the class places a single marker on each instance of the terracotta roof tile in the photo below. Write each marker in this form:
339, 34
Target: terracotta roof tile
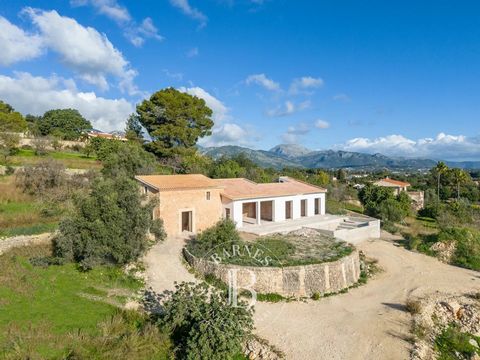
394, 182
245, 189
178, 182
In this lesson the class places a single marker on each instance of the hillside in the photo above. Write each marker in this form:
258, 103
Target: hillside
286, 155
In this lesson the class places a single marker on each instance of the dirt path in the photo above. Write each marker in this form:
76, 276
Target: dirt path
164, 265
367, 323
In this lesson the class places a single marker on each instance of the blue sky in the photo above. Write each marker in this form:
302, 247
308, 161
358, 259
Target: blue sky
400, 78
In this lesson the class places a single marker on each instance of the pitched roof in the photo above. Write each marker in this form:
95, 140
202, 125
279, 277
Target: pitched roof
394, 182
177, 182
236, 189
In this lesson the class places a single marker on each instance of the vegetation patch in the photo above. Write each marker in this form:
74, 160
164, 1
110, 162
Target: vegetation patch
453, 344
301, 247
44, 314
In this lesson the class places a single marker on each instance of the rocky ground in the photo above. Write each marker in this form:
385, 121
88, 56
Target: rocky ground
434, 313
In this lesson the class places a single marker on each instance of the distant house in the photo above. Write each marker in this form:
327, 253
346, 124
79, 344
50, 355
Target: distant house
399, 186
195, 202
104, 135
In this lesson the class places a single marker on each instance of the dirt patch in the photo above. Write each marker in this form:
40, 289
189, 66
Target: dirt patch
436, 314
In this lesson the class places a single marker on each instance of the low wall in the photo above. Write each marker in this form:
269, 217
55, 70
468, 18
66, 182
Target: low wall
367, 228
297, 281
370, 231
18, 241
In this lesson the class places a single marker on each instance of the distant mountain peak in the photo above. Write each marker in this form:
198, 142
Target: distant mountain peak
290, 150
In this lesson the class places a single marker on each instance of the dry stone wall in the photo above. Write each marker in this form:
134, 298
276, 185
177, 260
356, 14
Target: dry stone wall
296, 281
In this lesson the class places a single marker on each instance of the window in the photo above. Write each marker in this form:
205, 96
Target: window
145, 190
208, 195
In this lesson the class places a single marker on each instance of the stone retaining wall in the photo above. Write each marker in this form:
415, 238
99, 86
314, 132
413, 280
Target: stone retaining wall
296, 281
18, 241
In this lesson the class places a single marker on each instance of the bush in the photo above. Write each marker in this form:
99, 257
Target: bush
129, 159
390, 227
413, 306
202, 325
41, 177
40, 146
9, 170
224, 231
467, 248
108, 225
452, 343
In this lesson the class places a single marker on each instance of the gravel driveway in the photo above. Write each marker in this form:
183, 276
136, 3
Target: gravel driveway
368, 322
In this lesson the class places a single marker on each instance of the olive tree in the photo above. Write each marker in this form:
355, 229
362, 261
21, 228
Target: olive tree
110, 224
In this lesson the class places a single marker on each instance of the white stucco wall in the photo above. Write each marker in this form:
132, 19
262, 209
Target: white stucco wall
236, 206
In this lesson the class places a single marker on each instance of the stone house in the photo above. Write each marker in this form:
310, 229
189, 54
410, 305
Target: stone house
399, 186
195, 202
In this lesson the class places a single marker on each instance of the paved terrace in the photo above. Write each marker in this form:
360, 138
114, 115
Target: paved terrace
326, 221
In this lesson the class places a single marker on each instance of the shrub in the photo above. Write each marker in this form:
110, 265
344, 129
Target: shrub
41, 177
202, 325
108, 225
454, 344
40, 146
129, 159
224, 231
316, 296
9, 170
413, 306
335, 207
467, 249
389, 227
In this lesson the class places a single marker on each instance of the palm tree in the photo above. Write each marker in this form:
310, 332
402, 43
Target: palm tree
460, 177
440, 169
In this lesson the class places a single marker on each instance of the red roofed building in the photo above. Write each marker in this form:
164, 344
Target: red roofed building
195, 202
398, 186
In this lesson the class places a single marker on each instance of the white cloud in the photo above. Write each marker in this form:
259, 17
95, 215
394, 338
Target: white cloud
17, 45
305, 83
136, 34
322, 124
262, 80
84, 50
220, 111
177, 76
227, 134
443, 146
190, 11
294, 133
193, 52
224, 131
109, 8
35, 95
341, 97
289, 108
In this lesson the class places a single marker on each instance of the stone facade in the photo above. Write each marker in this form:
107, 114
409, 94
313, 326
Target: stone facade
418, 201
296, 281
205, 209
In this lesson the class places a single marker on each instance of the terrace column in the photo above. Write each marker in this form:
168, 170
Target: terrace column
257, 212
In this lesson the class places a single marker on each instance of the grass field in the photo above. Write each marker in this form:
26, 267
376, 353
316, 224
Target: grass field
20, 213
48, 312
69, 159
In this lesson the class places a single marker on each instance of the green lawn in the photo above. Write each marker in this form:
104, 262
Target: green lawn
69, 159
42, 308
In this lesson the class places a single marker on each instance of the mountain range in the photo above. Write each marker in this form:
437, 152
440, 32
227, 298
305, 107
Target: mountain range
293, 155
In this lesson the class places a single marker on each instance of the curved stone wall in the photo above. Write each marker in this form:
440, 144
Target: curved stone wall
297, 281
